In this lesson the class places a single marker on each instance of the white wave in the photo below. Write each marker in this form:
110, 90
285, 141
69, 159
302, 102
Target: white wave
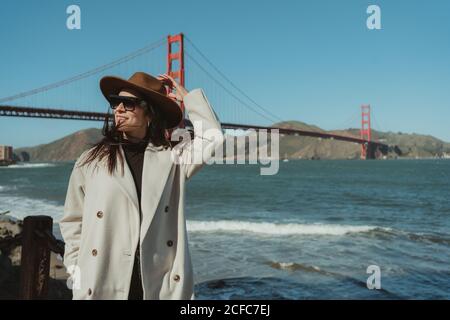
294, 266
7, 188
30, 165
276, 229
20, 207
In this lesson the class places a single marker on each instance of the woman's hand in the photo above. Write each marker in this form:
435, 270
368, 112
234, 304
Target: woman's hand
180, 91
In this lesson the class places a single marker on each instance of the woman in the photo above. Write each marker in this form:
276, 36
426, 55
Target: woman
124, 221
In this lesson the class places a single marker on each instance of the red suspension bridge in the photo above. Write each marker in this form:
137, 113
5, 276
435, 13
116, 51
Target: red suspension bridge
57, 100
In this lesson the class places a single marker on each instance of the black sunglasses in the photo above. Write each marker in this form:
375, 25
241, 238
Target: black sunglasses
129, 103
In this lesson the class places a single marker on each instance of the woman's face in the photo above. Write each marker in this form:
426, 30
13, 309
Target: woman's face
131, 121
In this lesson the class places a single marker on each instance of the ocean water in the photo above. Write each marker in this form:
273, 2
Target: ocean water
309, 232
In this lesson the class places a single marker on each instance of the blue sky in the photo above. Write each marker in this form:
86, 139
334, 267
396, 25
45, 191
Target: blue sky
313, 61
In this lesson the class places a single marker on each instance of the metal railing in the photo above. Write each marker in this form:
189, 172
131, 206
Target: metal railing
37, 241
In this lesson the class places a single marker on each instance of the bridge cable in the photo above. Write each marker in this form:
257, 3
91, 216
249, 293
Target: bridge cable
230, 82
89, 73
228, 91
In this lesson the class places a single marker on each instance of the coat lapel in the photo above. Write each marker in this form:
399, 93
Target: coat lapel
156, 170
126, 181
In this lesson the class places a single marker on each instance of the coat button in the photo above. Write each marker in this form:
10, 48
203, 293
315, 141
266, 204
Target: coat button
89, 291
166, 209
94, 252
170, 243
99, 214
176, 278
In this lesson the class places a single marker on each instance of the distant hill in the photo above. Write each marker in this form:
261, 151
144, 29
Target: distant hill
67, 148
295, 147
411, 145
292, 147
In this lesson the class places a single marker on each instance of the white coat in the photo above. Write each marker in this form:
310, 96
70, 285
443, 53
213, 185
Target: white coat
101, 226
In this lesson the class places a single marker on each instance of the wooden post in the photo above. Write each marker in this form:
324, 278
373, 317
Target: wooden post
35, 260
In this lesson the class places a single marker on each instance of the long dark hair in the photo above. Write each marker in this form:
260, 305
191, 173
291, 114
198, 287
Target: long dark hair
108, 147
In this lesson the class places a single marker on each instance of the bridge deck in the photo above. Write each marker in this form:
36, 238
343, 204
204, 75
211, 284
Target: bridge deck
14, 111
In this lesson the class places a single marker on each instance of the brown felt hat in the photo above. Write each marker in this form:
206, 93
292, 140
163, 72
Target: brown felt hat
151, 89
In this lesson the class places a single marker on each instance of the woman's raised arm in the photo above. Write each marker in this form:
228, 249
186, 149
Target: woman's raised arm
208, 135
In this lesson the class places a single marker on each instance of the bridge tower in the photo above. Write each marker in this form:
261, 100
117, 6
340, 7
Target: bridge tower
178, 58
366, 132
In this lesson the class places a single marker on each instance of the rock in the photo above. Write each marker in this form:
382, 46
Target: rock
10, 227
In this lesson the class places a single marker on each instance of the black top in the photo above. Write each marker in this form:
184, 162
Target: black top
134, 154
